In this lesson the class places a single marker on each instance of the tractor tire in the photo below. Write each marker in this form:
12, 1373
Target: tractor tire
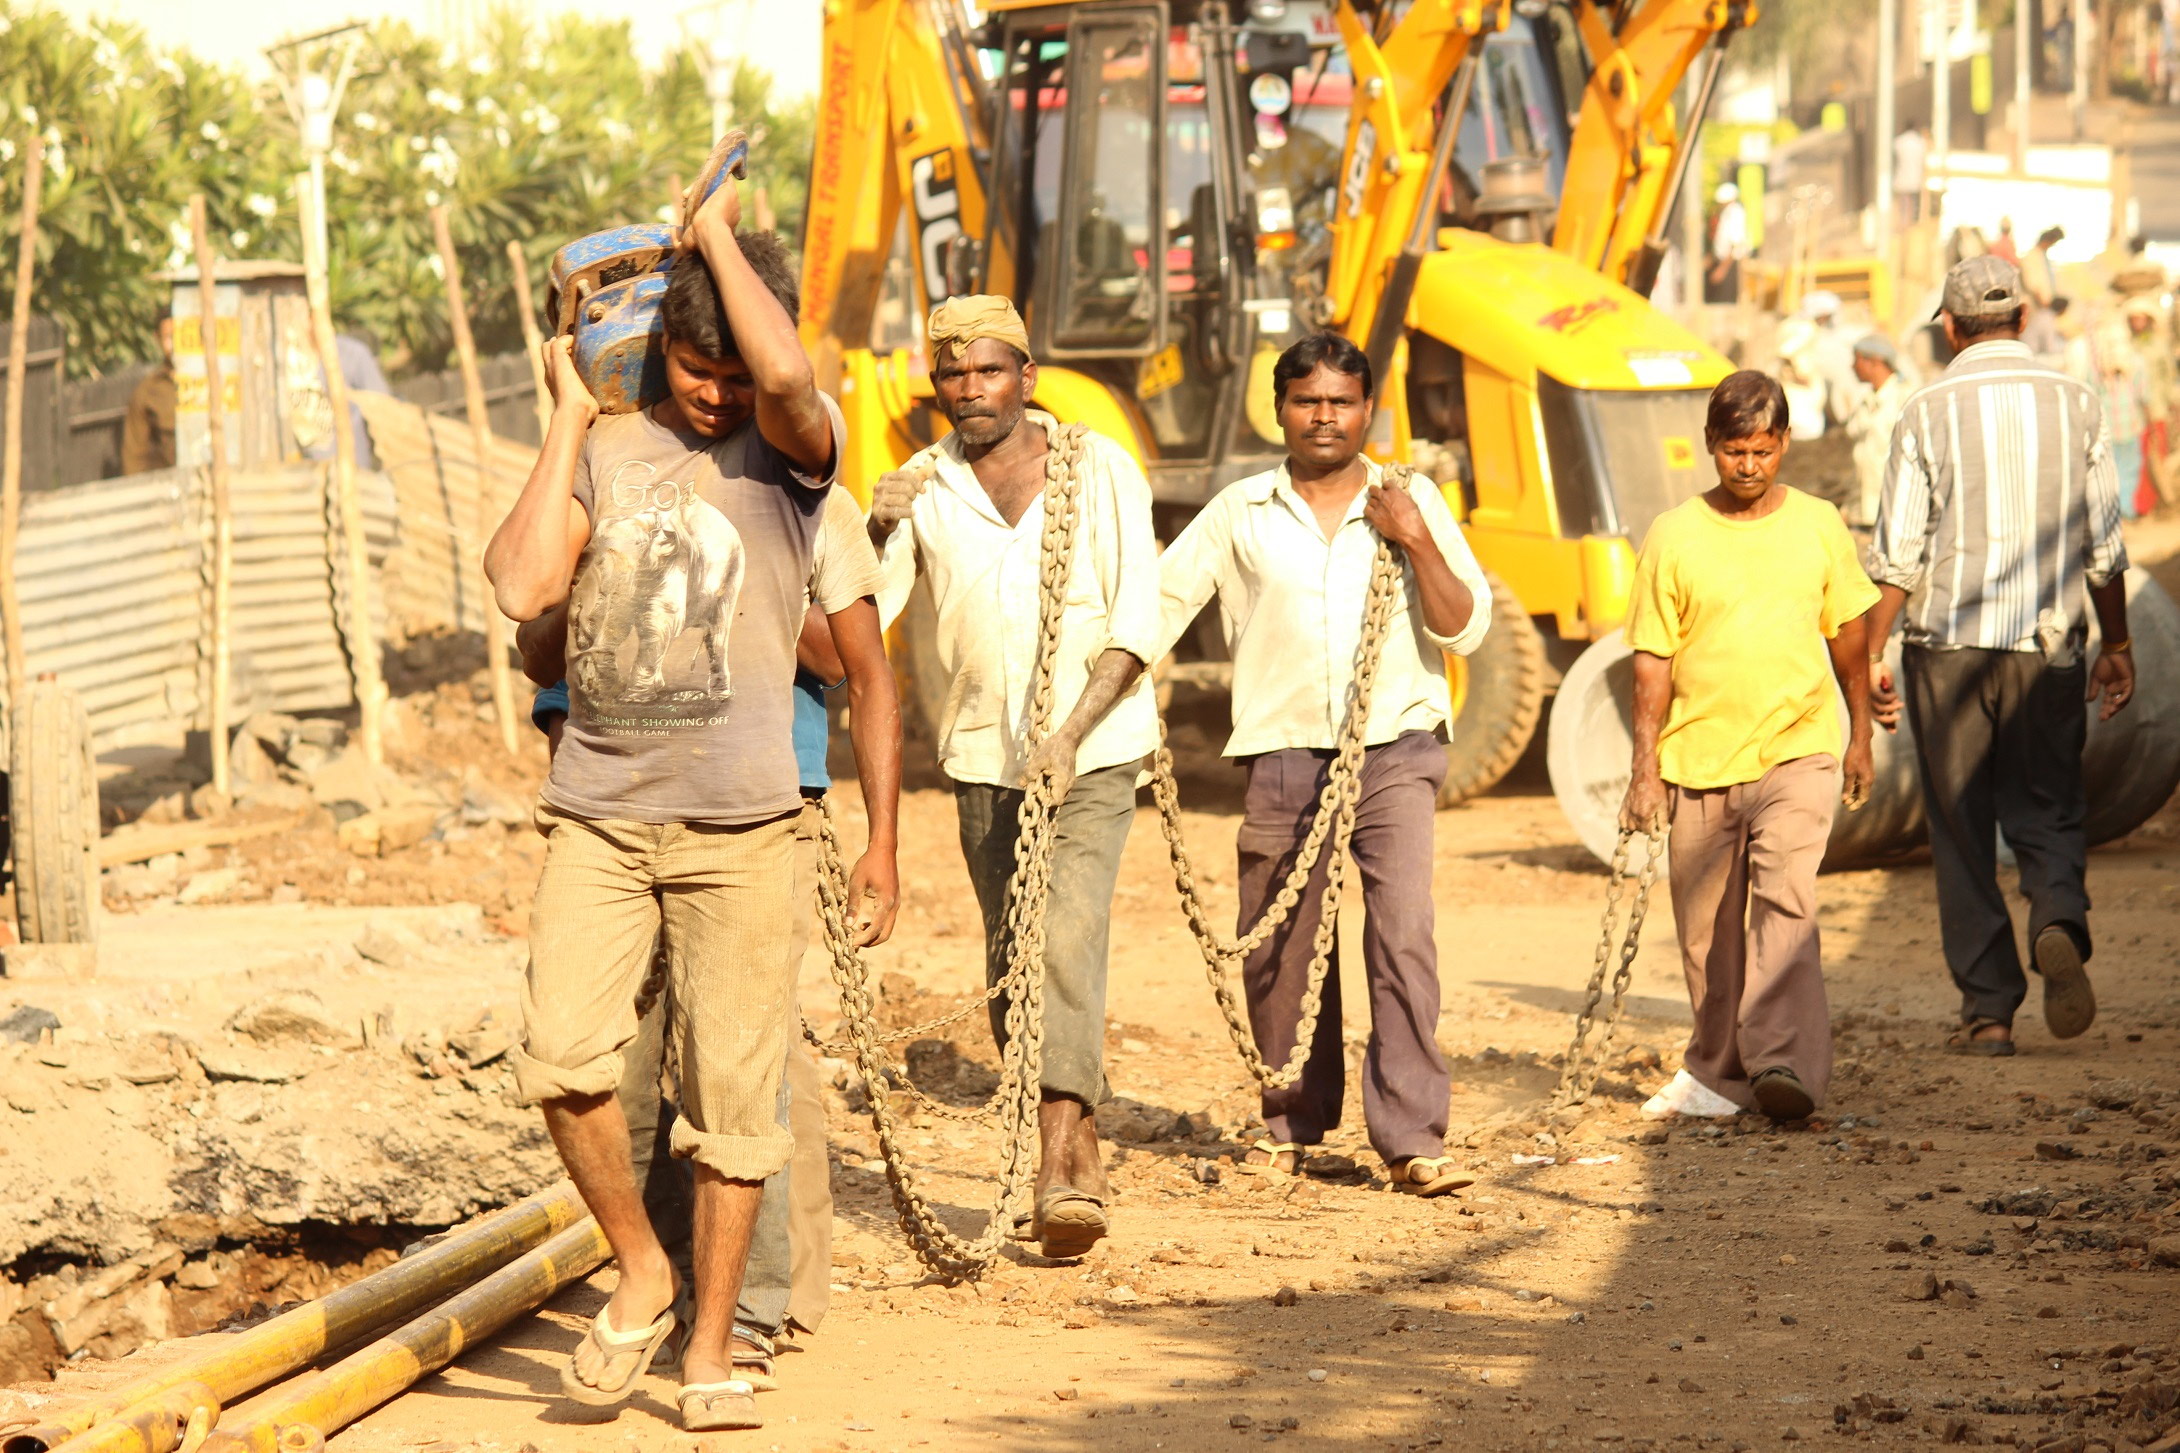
53, 816
1498, 712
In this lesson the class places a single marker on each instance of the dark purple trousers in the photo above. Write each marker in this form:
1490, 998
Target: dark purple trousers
1404, 1081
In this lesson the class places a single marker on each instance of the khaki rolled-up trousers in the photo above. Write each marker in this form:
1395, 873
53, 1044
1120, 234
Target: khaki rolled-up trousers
1744, 881
723, 897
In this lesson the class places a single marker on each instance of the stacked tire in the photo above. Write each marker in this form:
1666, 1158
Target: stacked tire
53, 815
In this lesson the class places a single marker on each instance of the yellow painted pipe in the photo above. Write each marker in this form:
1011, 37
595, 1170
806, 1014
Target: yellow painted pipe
265, 1353
301, 1416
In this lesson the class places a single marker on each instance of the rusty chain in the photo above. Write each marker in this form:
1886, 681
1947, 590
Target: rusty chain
1022, 1061
1334, 821
1586, 1061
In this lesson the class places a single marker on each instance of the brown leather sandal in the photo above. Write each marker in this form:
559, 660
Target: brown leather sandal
1963, 1040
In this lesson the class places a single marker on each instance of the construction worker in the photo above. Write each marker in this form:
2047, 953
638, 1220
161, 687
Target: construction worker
147, 427
973, 527
1289, 555
1740, 596
682, 537
1875, 410
2001, 513
788, 1286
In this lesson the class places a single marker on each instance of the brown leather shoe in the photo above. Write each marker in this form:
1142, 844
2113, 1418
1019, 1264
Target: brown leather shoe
1779, 1093
2070, 1004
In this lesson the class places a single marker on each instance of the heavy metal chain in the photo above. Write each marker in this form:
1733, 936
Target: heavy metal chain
1022, 1062
1586, 1061
1334, 821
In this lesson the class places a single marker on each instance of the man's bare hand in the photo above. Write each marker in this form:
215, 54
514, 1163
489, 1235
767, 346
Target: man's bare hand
874, 897
564, 381
1884, 697
1643, 810
1857, 770
894, 497
1393, 513
721, 212
2114, 678
1054, 762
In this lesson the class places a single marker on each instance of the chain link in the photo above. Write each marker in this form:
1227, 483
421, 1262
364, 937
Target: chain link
1586, 1061
1334, 821
1021, 1070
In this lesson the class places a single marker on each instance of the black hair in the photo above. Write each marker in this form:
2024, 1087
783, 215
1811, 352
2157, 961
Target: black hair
1746, 404
691, 312
2051, 236
1998, 325
1330, 349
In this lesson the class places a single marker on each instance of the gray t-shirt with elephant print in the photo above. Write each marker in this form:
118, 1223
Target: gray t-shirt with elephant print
683, 618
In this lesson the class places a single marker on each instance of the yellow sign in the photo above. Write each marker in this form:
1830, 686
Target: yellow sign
1160, 371
189, 392
1979, 83
188, 335
1680, 453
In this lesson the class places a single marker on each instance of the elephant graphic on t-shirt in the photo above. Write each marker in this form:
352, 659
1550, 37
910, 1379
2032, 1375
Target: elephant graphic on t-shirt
662, 561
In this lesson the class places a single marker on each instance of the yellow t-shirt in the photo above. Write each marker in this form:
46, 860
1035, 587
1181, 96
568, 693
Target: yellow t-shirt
1743, 609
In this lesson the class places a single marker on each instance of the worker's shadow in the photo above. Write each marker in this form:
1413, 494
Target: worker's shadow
1570, 1001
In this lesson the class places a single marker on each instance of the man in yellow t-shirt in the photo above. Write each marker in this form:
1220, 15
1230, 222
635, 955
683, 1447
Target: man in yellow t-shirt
1740, 595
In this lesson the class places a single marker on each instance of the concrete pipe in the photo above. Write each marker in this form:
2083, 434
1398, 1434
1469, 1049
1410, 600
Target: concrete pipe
2130, 765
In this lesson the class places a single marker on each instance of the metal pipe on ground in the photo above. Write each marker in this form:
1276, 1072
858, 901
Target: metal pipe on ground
2130, 764
300, 1418
249, 1360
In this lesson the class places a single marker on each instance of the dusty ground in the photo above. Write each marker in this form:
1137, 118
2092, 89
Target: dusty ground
1737, 1286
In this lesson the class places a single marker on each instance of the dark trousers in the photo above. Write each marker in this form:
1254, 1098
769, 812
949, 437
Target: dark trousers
1088, 836
1405, 1082
1999, 735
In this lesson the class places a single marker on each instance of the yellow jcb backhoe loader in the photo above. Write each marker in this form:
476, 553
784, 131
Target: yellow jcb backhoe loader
1174, 191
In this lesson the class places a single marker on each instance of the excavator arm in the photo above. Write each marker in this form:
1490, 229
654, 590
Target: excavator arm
1630, 151
1387, 173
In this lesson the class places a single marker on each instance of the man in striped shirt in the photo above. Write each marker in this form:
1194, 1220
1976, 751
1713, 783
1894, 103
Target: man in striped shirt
2000, 514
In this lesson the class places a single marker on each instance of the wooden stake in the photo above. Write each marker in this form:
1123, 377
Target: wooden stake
223, 521
370, 684
532, 343
11, 467
488, 513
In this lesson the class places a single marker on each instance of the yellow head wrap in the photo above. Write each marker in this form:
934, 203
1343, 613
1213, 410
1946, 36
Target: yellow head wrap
959, 322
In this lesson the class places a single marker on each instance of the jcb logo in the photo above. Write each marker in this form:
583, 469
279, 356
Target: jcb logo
1358, 168
938, 214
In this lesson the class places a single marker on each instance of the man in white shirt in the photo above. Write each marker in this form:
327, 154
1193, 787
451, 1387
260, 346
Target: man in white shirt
1910, 152
970, 517
1289, 555
1869, 425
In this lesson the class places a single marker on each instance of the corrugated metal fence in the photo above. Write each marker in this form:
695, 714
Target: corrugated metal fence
114, 577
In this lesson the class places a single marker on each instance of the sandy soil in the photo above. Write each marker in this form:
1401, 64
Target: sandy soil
1738, 1285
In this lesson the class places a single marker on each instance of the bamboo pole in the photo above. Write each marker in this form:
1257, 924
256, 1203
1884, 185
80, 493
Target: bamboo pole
223, 521
488, 514
533, 343
305, 1415
370, 685
273, 1349
11, 467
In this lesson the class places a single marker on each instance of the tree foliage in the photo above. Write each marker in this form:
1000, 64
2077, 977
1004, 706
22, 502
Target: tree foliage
539, 134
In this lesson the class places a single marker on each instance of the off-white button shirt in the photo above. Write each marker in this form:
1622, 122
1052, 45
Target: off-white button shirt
984, 582
1291, 605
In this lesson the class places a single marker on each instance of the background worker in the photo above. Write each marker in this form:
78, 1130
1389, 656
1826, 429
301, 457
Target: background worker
1869, 424
974, 527
682, 537
147, 427
2001, 512
1289, 555
788, 1286
1740, 596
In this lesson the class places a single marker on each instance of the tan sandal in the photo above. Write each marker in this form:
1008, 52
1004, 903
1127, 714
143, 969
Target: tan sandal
710, 1407
635, 1348
1270, 1166
1428, 1175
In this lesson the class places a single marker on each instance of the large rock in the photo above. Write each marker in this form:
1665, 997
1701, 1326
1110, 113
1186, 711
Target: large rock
288, 1016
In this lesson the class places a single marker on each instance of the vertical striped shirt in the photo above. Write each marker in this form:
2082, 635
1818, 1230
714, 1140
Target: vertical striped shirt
2000, 503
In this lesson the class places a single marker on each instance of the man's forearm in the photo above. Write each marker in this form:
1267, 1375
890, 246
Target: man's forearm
1851, 665
1878, 621
1110, 677
1653, 693
2109, 600
874, 718
543, 645
1448, 603
530, 560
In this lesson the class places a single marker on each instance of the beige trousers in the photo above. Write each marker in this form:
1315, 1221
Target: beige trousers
1744, 882
724, 897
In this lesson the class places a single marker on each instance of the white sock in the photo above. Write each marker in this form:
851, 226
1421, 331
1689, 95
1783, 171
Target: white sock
1684, 1094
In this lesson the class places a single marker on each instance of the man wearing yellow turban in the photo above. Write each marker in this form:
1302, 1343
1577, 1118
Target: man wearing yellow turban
971, 521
